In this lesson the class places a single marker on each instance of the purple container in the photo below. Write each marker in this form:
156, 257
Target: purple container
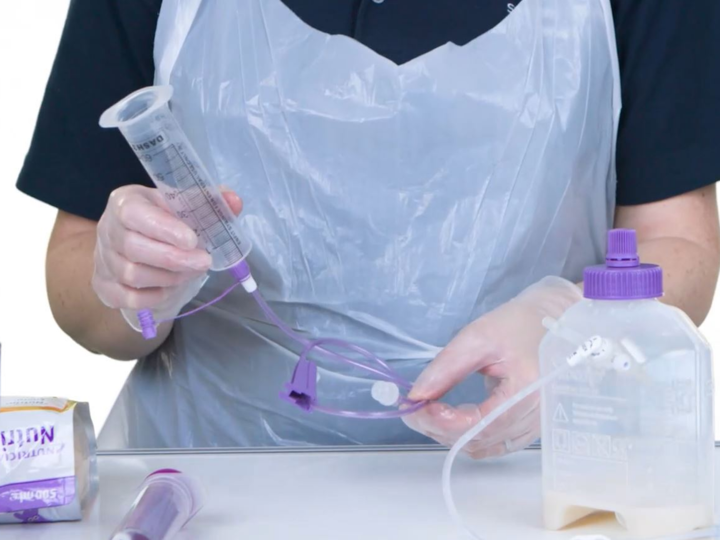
168, 499
623, 277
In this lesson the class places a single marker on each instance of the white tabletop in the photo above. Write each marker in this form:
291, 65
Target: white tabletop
330, 495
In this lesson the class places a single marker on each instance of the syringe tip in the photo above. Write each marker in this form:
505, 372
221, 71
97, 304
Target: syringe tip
241, 272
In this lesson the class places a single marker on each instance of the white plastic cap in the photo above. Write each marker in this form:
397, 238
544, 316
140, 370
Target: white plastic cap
622, 362
250, 285
605, 352
385, 393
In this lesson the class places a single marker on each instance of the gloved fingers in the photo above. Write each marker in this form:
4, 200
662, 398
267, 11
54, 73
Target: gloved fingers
138, 248
189, 290
446, 424
117, 296
478, 449
140, 212
512, 428
551, 296
500, 392
139, 275
470, 351
442, 422
505, 447
521, 417
232, 199
151, 298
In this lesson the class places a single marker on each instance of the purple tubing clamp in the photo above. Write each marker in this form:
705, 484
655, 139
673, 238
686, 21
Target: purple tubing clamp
302, 389
622, 277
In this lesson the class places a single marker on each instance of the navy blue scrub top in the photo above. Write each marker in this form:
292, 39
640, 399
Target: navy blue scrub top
669, 50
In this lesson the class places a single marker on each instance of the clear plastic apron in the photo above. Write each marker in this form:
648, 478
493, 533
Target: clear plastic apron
388, 205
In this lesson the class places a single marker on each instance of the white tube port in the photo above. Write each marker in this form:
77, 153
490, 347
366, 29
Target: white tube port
386, 393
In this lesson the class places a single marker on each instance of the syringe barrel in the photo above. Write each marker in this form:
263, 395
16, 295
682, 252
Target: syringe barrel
168, 499
159, 142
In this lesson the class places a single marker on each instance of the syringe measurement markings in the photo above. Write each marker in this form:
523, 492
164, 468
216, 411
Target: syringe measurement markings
175, 163
182, 181
208, 211
185, 181
213, 227
174, 160
209, 201
229, 250
182, 175
209, 219
210, 222
228, 247
194, 197
203, 212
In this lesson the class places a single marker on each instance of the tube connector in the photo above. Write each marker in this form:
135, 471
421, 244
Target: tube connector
301, 391
241, 272
147, 323
385, 393
591, 347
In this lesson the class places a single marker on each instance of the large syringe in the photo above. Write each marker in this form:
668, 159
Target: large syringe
145, 119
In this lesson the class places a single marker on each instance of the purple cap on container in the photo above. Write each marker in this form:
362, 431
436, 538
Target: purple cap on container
622, 277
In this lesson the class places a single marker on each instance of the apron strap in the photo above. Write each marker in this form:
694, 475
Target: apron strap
174, 23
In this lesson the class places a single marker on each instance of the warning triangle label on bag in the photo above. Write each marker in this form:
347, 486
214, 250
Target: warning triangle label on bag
560, 415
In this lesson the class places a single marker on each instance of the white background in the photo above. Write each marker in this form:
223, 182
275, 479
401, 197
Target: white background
37, 358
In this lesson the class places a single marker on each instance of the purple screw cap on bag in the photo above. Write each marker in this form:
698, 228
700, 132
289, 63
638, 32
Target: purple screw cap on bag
623, 277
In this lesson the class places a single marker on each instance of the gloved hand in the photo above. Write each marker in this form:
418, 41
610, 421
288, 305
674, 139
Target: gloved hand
503, 346
145, 257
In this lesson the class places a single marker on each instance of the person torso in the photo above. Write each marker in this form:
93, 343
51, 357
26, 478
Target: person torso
388, 204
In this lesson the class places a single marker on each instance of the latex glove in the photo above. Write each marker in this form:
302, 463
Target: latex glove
503, 346
145, 257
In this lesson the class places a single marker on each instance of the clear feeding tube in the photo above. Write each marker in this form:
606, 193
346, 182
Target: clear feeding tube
474, 432
301, 391
154, 134
384, 371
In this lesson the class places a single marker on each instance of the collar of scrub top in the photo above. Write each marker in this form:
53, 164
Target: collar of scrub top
301, 391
